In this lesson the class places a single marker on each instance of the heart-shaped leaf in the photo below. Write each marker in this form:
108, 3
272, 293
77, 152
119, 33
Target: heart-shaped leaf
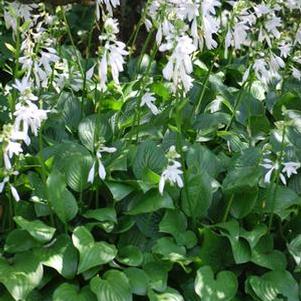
61, 255
169, 295
21, 275
114, 286
223, 287
36, 229
130, 255
91, 253
70, 292
61, 199
92, 129
19, 241
273, 286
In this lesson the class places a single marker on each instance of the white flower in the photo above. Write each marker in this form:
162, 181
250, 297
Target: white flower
114, 57
28, 116
210, 23
296, 73
148, 99
285, 50
179, 65
271, 166
272, 24
14, 193
290, 168
24, 87
2, 184
171, 174
101, 168
110, 4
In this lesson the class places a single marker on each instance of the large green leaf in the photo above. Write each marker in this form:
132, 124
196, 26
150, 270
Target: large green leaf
92, 129
19, 241
62, 200
281, 202
139, 280
197, 196
91, 253
294, 248
222, 287
148, 157
241, 179
21, 274
130, 255
113, 286
240, 248
169, 295
273, 286
36, 229
150, 202
70, 292
61, 255
105, 216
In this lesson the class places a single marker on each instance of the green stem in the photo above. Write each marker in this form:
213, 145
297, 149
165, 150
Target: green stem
16, 69
202, 93
277, 180
229, 205
43, 168
72, 43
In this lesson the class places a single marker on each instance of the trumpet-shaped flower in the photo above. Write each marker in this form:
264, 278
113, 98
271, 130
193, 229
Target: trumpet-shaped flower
28, 116
148, 99
179, 65
172, 174
101, 169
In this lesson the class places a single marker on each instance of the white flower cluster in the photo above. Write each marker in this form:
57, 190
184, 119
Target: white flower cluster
173, 172
112, 51
37, 56
289, 168
27, 117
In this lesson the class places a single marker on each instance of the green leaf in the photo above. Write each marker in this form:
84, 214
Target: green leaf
204, 159
150, 202
240, 248
241, 179
94, 128
222, 287
61, 255
148, 156
294, 247
130, 255
114, 286
119, 190
210, 251
69, 109
197, 196
281, 202
169, 295
19, 241
66, 292
36, 229
166, 247
91, 253
173, 222
243, 202
21, 274
157, 272
106, 216
76, 169
61, 199
139, 280
273, 286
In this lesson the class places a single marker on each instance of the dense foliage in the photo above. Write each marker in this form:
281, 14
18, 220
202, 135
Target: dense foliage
151, 157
